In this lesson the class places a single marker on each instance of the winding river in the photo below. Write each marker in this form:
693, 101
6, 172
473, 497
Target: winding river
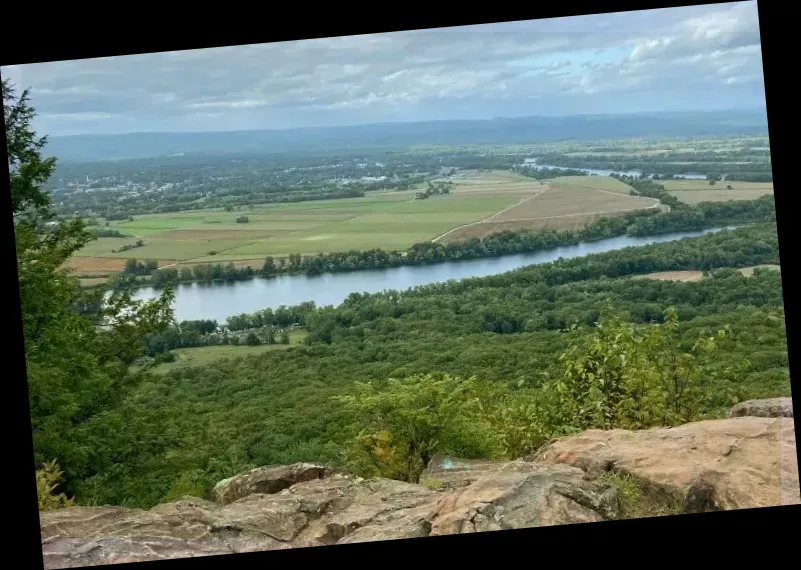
221, 300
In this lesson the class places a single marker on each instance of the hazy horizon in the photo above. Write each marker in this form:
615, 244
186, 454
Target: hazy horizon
696, 58
742, 109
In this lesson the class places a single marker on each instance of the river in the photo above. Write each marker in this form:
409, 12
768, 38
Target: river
221, 300
532, 163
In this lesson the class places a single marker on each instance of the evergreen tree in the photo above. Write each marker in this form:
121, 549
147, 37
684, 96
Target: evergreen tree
76, 369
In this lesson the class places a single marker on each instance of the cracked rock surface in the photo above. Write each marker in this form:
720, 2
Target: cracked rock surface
736, 463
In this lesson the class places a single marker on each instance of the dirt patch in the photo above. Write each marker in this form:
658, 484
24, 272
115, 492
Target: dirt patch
95, 265
189, 235
102, 266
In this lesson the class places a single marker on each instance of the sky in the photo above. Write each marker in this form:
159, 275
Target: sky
704, 57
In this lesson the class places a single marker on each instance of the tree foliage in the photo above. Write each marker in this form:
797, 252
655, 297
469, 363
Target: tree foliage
78, 348
48, 478
27, 168
405, 422
633, 377
614, 374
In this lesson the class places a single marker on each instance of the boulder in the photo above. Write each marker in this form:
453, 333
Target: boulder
523, 495
369, 509
268, 480
718, 464
770, 408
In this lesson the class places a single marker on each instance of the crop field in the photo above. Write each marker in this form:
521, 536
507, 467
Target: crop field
606, 183
569, 202
479, 203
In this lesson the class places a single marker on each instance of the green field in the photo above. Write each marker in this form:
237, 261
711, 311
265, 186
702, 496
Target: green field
391, 221
594, 182
202, 355
386, 220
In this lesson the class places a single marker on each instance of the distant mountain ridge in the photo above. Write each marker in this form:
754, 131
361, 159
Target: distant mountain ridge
516, 130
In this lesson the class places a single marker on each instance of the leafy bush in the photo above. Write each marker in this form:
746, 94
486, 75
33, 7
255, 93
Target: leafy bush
404, 423
48, 478
189, 484
631, 376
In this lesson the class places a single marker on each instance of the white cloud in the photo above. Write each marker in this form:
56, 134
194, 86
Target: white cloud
499, 69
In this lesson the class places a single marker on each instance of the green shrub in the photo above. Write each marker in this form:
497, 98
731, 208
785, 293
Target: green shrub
48, 478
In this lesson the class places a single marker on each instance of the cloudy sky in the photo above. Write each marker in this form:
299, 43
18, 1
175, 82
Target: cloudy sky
693, 58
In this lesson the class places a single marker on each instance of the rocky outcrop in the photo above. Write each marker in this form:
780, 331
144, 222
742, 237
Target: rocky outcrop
520, 494
771, 408
723, 464
268, 480
719, 464
332, 510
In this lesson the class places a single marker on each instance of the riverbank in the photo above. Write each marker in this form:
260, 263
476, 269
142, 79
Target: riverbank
639, 224
218, 301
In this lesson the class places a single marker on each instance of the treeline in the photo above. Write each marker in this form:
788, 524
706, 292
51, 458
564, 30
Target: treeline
651, 189
546, 173
532, 289
648, 222
115, 216
713, 165
168, 205
435, 189
129, 246
190, 334
706, 214
135, 267
282, 317
202, 273
107, 232
287, 197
